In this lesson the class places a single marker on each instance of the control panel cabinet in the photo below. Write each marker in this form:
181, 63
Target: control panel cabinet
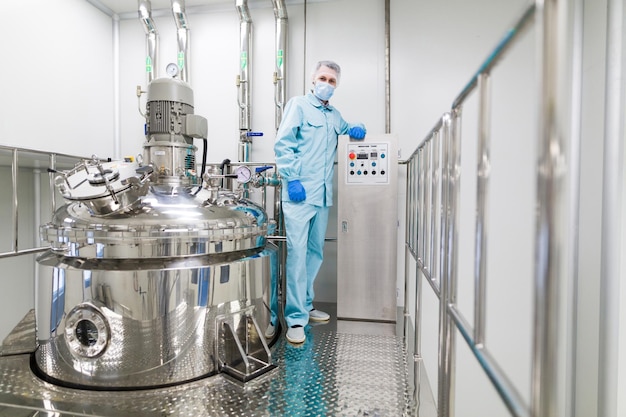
368, 225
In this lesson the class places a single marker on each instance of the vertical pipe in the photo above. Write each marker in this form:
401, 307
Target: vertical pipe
482, 216
14, 171
552, 271
36, 219
243, 152
37, 207
243, 79
612, 213
152, 40
280, 72
53, 196
182, 36
387, 67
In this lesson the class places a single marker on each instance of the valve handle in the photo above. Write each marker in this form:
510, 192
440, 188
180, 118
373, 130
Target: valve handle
258, 170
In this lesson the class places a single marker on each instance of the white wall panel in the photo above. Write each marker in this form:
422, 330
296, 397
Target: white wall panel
359, 51
436, 49
351, 33
57, 74
57, 95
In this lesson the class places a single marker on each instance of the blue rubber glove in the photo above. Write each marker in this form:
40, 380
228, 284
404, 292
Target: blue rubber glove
296, 191
357, 132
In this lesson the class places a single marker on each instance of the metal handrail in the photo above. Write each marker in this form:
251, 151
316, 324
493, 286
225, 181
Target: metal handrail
432, 220
52, 157
498, 53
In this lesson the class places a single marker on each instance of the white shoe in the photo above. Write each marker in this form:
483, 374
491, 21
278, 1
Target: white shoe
296, 334
270, 331
318, 315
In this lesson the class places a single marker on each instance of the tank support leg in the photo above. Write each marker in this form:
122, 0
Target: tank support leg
243, 352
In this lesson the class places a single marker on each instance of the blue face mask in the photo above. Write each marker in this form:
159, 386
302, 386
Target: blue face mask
323, 91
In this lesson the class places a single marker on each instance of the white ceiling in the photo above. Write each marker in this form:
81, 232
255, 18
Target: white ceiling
131, 6
128, 8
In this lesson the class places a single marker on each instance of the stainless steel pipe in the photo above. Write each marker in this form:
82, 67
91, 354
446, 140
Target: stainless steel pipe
182, 37
244, 86
280, 59
152, 40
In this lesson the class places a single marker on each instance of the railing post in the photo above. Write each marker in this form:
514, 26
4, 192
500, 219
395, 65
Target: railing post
15, 231
610, 351
451, 168
426, 208
482, 194
553, 266
408, 249
455, 201
419, 250
435, 223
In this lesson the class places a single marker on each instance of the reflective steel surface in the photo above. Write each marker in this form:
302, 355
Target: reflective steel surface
338, 371
155, 275
101, 327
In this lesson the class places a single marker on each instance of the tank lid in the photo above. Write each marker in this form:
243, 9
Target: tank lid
158, 226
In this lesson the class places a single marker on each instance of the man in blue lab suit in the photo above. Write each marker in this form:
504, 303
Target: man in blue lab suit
305, 149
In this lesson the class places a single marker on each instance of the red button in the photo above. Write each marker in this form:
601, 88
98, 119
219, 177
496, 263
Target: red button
352, 155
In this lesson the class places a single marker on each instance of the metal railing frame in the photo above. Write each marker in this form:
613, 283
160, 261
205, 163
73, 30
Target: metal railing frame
432, 224
16, 245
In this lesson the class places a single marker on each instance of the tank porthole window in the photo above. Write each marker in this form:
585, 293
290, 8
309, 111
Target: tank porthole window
87, 331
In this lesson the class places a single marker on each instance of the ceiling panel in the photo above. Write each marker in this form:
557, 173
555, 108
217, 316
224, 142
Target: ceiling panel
126, 6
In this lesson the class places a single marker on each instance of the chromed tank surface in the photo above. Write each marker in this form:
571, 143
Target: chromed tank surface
151, 280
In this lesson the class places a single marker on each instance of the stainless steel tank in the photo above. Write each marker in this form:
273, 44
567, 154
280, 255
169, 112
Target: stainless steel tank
150, 279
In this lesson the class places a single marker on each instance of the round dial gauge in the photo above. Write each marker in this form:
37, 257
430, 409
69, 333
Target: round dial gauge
172, 69
244, 174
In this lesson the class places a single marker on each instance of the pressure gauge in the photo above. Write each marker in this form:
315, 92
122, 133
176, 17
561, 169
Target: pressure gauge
172, 69
244, 174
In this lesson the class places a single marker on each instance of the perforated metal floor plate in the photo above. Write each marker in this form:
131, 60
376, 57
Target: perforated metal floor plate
331, 374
